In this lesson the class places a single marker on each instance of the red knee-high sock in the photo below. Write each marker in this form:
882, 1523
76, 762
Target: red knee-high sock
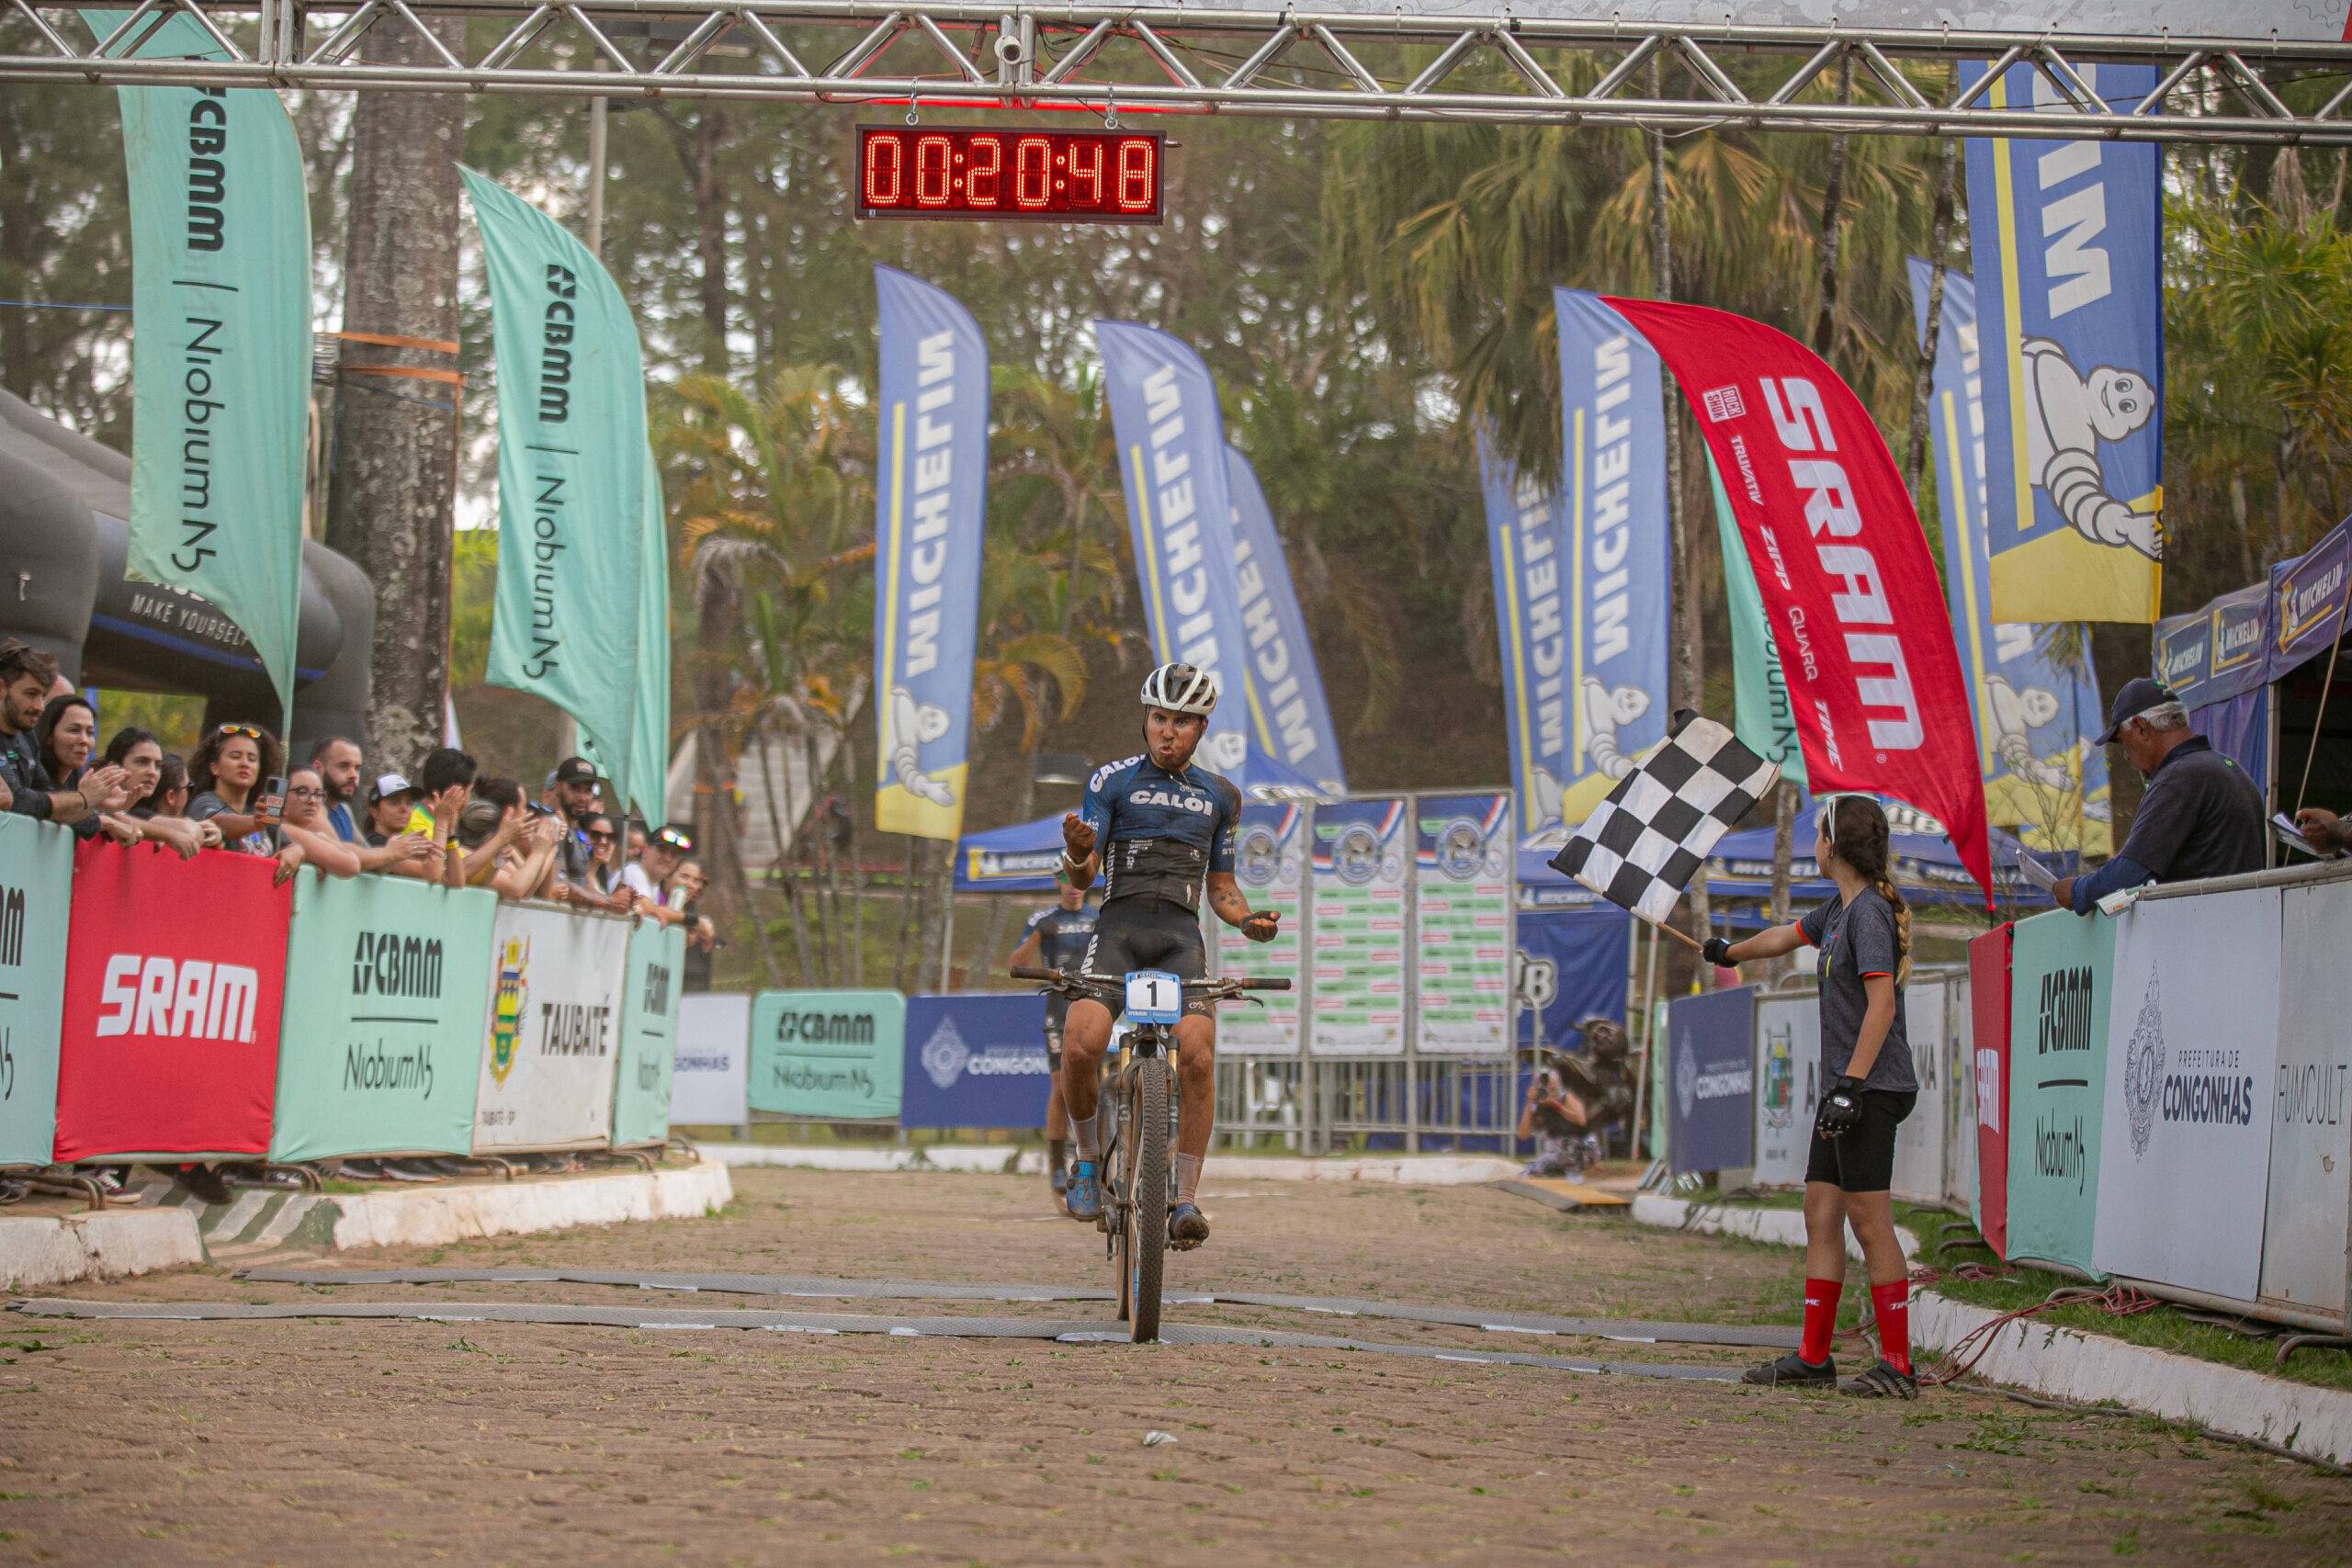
1820, 1318
1892, 1304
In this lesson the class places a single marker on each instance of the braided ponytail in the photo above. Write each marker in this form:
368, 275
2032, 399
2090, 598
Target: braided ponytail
1858, 835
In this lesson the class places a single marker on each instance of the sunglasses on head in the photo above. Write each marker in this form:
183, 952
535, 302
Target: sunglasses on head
247, 730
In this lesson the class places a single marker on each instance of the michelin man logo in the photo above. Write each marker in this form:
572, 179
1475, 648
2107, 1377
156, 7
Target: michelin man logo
1599, 710
912, 726
944, 1053
2143, 1069
2067, 415
2016, 715
1544, 797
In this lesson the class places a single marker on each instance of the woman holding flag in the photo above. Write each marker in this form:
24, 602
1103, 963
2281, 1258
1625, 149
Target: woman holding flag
1864, 937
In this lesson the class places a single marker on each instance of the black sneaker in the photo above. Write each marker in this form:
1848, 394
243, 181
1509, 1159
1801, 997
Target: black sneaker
1793, 1370
206, 1183
1187, 1227
1882, 1382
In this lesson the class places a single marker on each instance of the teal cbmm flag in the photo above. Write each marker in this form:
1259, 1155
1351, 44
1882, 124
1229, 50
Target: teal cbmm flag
220, 343
649, 759
572, 476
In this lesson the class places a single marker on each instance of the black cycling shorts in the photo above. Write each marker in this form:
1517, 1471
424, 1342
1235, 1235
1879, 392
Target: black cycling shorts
1054, 1037
1149, 933
1862, 1159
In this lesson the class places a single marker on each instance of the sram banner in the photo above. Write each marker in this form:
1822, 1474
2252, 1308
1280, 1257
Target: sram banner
2185, 1142
1848, 583
170, 1026
557, 981
381, 1048
36, 881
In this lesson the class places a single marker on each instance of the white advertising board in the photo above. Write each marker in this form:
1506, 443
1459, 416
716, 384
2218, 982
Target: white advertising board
1960, 1098
709, 1063
1787, 1087
556, 982
2192, 1044
2303, 1245
1920, 1143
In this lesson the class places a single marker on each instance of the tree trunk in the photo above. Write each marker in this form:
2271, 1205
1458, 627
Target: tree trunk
391, 506
1688, 646
856, 869
791, 890
1915, 465
909, 921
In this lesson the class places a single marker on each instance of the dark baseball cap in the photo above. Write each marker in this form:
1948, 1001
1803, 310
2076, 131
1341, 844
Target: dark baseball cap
573, 771
2138, 696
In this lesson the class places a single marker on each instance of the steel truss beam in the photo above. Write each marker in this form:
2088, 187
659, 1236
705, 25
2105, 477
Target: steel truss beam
1106, 60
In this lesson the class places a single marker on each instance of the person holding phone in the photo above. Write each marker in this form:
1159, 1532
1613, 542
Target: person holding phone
1864, 933
236, 776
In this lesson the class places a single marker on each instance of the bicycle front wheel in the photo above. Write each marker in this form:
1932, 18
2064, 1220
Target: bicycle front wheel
1144, 1238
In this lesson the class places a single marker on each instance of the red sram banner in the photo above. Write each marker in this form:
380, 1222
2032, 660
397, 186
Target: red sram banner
1849, 587
173, 971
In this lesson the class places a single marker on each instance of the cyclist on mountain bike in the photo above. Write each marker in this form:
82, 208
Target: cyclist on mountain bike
1160, 831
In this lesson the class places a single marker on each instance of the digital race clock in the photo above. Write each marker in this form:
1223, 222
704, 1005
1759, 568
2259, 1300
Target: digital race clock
1061, 176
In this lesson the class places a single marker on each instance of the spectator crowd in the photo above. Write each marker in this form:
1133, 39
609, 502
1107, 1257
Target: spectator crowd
236, 794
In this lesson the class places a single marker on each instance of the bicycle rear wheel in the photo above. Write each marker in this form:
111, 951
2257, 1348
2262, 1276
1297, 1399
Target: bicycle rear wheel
1144, 1238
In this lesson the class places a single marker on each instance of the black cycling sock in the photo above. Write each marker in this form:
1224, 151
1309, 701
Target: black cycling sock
1056, 1153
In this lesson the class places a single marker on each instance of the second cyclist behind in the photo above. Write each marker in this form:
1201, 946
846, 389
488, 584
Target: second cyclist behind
1161, 832
1057, 938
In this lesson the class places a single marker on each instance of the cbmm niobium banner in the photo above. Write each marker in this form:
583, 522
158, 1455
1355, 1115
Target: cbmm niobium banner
220, 343
929, 503
571, 480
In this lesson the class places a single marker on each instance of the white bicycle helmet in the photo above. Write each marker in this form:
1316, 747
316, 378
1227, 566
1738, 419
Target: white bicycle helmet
1180, 688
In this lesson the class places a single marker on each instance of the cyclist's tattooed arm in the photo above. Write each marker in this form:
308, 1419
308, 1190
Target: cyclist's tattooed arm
1226, 898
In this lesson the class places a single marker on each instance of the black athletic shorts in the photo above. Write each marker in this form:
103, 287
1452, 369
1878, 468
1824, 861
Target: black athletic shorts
1149, 933
1862, 1158
1053, 1033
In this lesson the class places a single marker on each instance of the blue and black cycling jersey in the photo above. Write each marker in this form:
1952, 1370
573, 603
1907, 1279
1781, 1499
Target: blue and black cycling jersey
1062, 935
1160, 833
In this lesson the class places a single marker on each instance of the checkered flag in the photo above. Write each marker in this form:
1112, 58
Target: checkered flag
1640, 848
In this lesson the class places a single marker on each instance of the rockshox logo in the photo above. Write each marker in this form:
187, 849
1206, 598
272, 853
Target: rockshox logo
187, 999
389, 964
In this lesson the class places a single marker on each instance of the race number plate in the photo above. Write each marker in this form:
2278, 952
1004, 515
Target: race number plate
1154, 996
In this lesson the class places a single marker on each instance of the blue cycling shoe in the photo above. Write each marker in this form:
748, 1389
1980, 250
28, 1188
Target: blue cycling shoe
1082, 1200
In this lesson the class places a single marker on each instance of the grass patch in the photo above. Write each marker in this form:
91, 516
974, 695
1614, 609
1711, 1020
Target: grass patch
2162, 1330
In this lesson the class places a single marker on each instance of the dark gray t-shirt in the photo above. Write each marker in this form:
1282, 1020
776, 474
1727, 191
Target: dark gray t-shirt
1857, 940
2202, 817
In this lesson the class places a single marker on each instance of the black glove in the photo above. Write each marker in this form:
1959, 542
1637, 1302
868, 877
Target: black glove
1841, 1110
1716, 951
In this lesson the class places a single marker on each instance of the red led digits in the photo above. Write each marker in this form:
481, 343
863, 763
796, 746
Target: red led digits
934, 159
885, 165
1032, 172
981, 173
1056, 176
1138, 188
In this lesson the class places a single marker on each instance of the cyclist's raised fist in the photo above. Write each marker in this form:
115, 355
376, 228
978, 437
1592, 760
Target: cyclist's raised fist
1077, 836
1261, 926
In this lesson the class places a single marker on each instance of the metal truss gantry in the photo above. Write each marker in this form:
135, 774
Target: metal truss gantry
1104, 60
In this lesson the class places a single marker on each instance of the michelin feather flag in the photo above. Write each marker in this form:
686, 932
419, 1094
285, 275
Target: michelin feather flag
571, 478
2033, 717
1525, 546
929, 515
2068, 237
1289, 717
1173, 465
1616, 573
220, 343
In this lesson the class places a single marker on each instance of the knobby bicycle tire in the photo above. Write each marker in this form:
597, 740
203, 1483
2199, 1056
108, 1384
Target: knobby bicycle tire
1146, 1226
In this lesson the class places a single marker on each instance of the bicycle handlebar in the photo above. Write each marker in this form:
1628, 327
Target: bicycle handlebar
1055, 979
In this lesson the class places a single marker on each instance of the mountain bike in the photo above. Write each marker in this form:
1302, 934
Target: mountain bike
1138, 1164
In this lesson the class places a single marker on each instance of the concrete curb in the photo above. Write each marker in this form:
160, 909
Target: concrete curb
101, 1244
2086, 1369
435, 1216
1408, 1170
39, 1250
2090, 1369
